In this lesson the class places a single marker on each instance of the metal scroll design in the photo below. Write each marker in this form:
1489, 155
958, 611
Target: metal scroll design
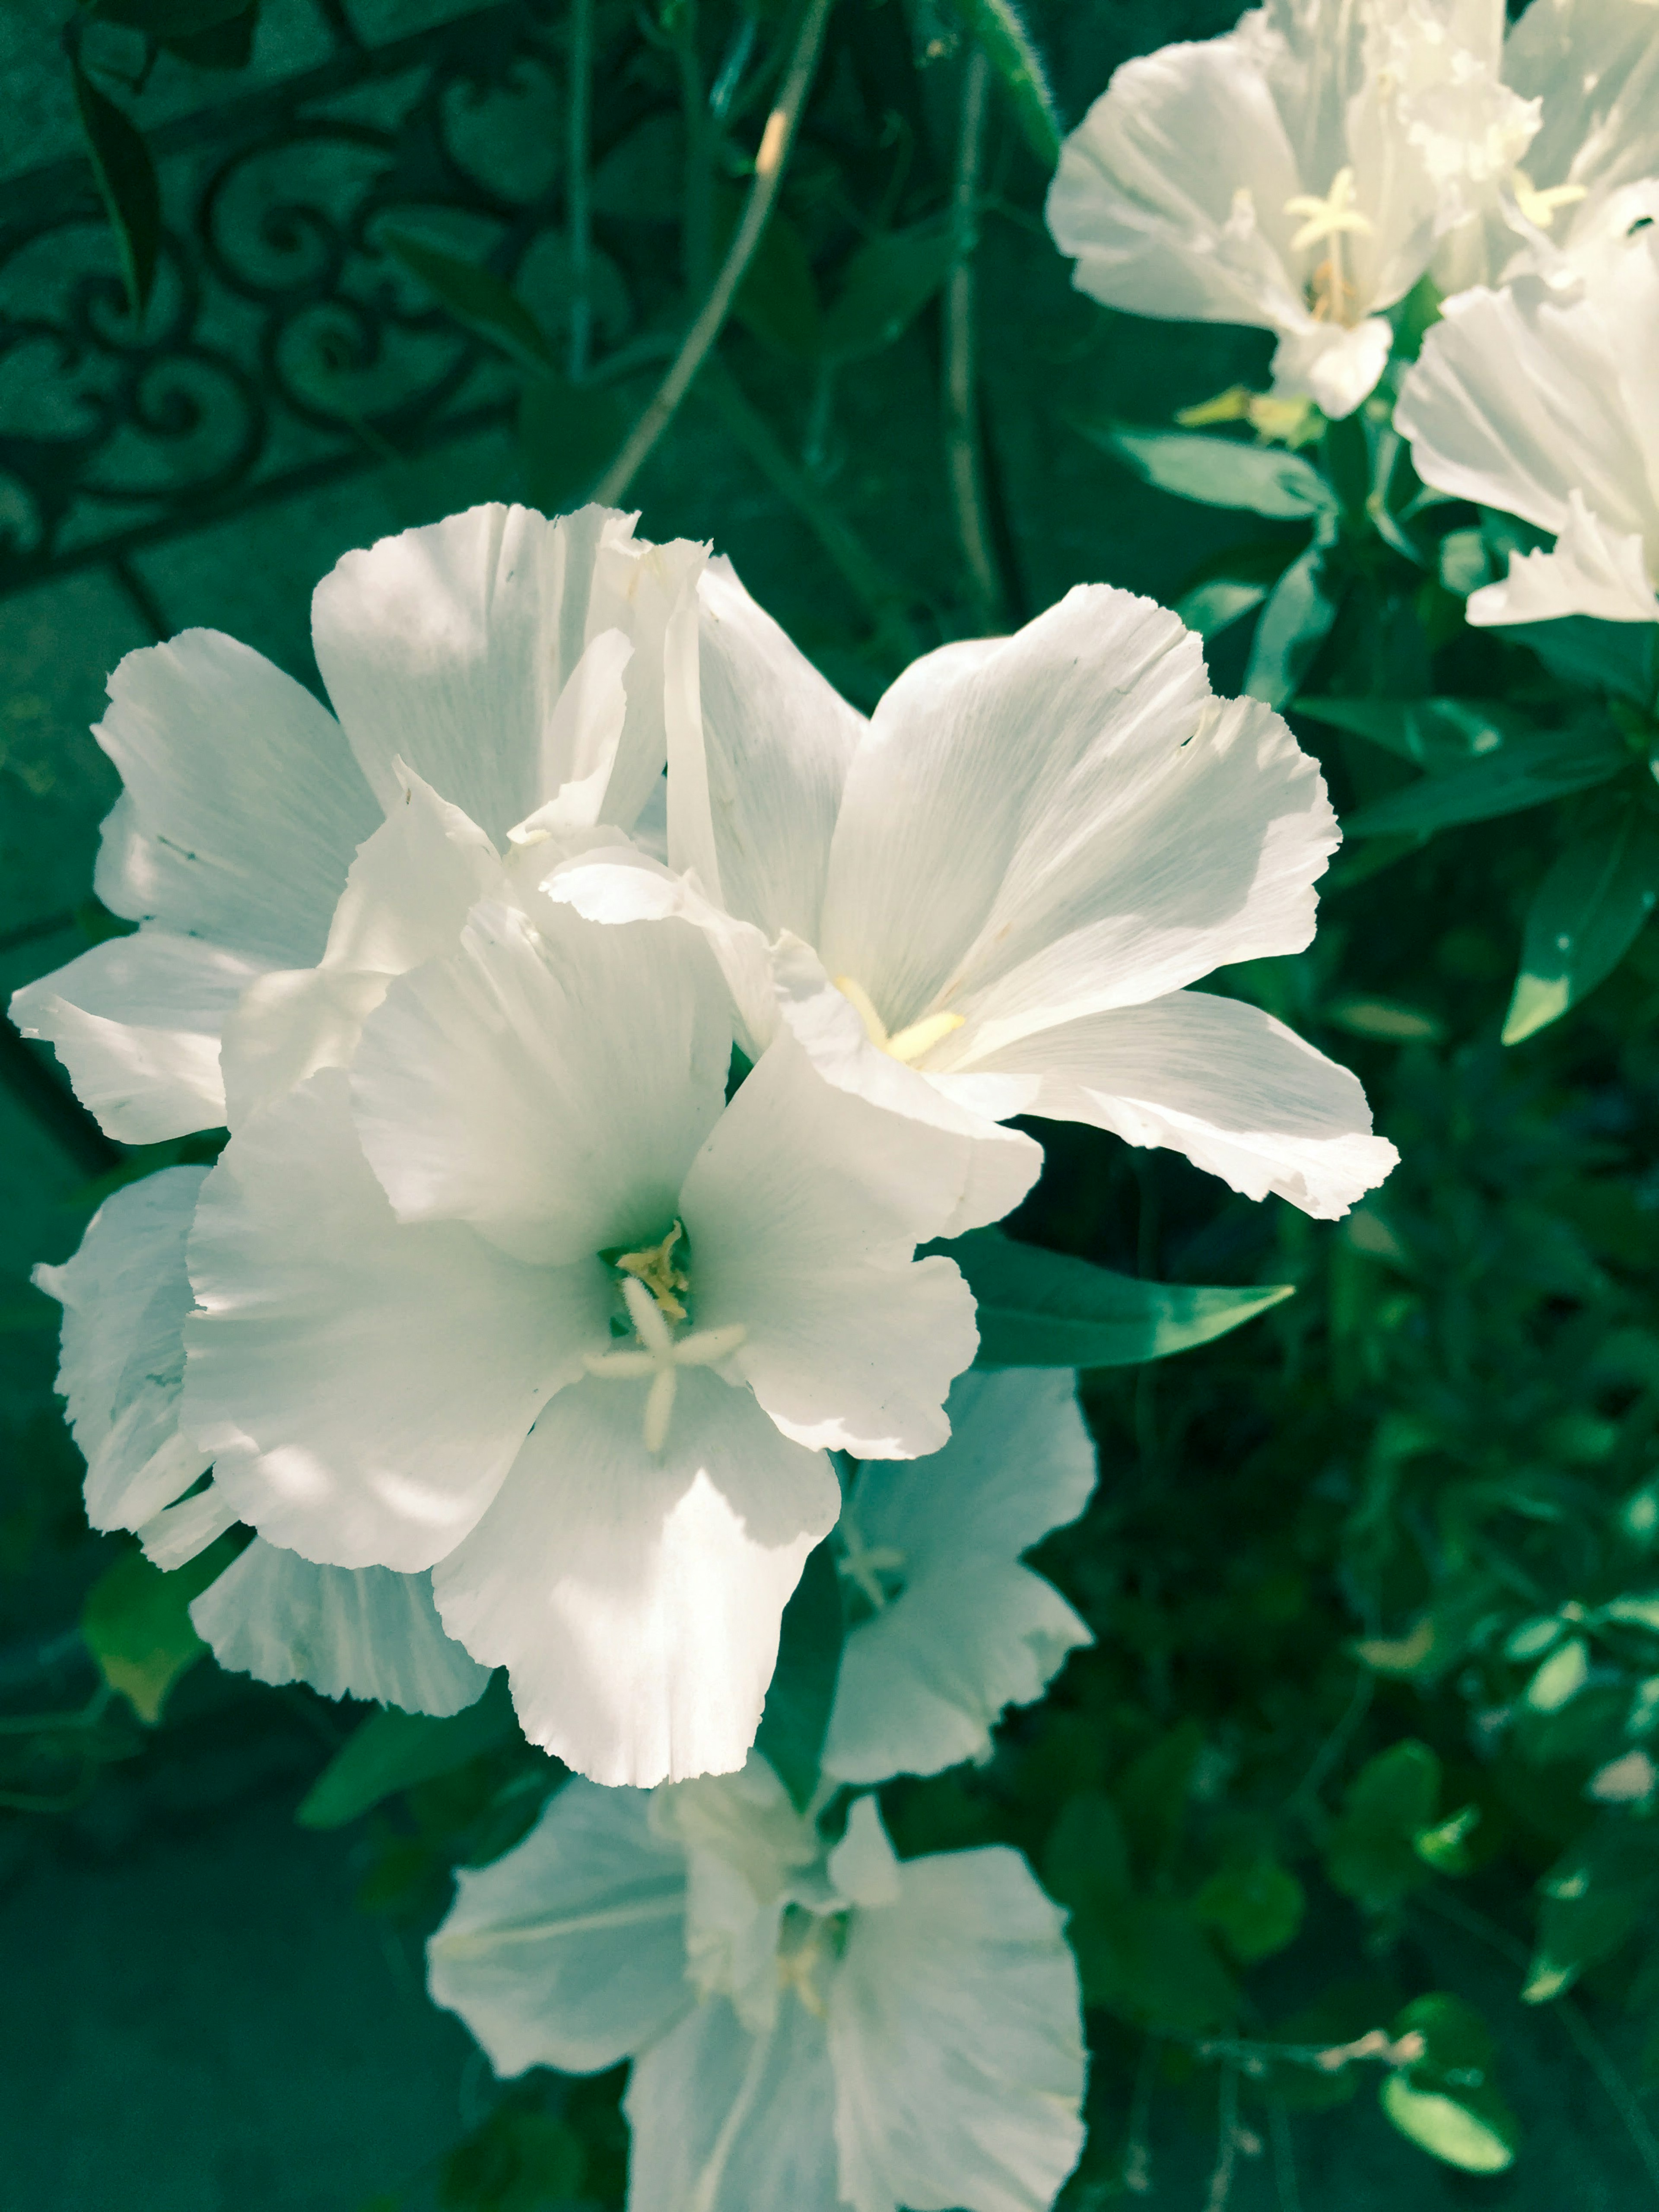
282, 349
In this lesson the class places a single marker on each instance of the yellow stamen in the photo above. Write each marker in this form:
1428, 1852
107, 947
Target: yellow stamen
655, 1268
1539, 207
909, 1044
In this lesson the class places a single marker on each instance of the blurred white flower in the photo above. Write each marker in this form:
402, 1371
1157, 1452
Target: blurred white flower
526, 1301
955, 1627
500, 674
1294, 173
1542, 400
362, 1633
1589, 69
810, 2027
988, 899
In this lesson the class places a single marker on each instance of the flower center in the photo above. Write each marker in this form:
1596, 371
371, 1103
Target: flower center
808, 1944
652, 1287
1538, 207
909, 1044
1326, 222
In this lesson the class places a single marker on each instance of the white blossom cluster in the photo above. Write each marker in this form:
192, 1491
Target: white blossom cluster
603, 1012
1309, 170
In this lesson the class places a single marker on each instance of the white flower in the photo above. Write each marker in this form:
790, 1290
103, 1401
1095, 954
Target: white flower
957, 1628
809, 2027
525, 1301
515, 667
1542, 399
364, 1633
1294, 173
987, 900
1588, 71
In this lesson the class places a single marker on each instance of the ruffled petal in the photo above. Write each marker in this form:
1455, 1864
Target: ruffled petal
1240, 1094
1074, 823
125, 1295
1335, 367
956, 2042
1590, 571
804, 1210
136, 1023
568, 1951
923, 1681
722, 2118
756, 776
450, 647
550, 1084
635, 1597
350, 1632
364, 1386
242, 806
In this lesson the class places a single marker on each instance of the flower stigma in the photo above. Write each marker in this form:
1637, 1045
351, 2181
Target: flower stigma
808, 1942
1329, 219
657, 1354
909, 1044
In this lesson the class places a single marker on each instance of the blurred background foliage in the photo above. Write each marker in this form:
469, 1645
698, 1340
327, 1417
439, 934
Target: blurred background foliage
1352, 1801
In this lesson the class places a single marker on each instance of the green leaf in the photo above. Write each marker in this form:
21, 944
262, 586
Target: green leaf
476, 297
227, 46
778, 299
1445, 1845
1219, 472
392, 1750
1435, 733
803, 1688
1584, 918
1560, 1678
136, 1624
1372, 1853
516, 2161
127, 184
1622, 658
1151, 1795
1597, 1894
567, 434
1295, 621
1256, 1910
998, 28
1523, 773
1446, 2100
886, 285
1211, 606
1040, 1308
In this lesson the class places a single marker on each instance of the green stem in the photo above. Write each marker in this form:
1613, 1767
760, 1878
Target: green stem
880, 594
964, 460
997, 28
777, 141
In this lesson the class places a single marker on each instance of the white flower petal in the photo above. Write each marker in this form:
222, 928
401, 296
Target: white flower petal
1335, 367
864, 1867
569, 1951
923, 1682
724, 2121
1516, 401
364, 1385
1590, 571
125, 1296
955, 2038
136, 1023
1002, 1163
1240, 1094
551, 1085
803, 1209
449, 647
1076, 823
181, 1533
242, 806
755, 782
635, 1598
350, 1632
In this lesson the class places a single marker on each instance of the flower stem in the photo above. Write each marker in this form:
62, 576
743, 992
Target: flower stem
776, 140
961, 432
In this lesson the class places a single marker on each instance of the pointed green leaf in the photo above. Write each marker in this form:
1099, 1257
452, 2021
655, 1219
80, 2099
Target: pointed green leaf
1447, 2100
136, 1624
127, 184
1295, 623
884, 287
1584, 918
1618, 657
1256, 1910
476, 297
1523, 773
1219, 472
394, 1750
803, 1686
1040, 1308
1436, 733
1371, 1855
